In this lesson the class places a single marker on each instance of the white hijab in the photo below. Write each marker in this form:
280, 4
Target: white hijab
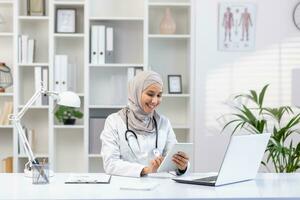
138, 120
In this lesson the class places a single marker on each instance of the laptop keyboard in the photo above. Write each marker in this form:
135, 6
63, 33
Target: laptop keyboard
207, 179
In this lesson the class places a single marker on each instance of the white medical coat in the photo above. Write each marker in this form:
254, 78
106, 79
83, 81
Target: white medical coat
118, 158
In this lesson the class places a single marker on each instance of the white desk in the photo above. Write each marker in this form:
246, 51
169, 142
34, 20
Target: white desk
269, 186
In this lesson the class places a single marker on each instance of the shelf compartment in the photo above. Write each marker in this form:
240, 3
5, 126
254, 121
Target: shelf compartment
41, 38
6, 49
6, 143
72, 47
26, 85
108, 87
117, 8
6, 10
181, 16
23, 8
37, 120
178, 116
69, 150
125, 33
170, 57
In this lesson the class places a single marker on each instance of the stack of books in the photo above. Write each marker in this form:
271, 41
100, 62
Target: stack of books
26, 49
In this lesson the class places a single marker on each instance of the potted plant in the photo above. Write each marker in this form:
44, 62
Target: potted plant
283, 122
67, 115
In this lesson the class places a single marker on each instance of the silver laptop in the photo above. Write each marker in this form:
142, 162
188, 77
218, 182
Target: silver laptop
240, 163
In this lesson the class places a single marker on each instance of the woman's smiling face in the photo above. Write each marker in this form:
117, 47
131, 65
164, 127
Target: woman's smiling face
151, 97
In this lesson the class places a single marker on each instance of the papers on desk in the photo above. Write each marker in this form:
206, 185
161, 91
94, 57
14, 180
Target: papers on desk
139, 186
90, 178
162, 175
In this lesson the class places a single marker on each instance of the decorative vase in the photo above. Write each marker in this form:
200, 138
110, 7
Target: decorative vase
167, 24
69, 121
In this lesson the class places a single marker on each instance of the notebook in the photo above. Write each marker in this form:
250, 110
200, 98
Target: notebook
88, 178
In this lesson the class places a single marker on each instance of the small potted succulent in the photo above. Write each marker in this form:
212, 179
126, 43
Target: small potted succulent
67, 115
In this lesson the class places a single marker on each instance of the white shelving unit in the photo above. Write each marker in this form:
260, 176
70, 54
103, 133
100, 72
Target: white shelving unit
102, 88
7, 35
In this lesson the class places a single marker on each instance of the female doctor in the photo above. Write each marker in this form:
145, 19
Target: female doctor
136, 139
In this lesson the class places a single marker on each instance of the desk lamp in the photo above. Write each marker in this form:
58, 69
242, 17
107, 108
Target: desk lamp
66, 98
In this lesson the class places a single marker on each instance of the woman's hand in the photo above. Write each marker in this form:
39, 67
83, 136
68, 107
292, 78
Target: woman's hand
181, 160
153, 166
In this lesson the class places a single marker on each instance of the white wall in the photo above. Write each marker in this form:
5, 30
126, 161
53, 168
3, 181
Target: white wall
221, 74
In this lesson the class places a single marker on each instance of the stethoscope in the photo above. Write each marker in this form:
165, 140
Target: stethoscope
156, 151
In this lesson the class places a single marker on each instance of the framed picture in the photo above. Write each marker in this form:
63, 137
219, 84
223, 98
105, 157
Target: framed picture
65, 20
236, 26
36, 7
174, 84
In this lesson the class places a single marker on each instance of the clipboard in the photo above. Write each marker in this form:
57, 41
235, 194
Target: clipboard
88, 178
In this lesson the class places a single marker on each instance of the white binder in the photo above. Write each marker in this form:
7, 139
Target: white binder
30, 52
109, 45
38, 82
24, 42
57, 73
94, 45
101, 44
63, 73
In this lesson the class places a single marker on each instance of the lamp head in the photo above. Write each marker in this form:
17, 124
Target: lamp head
69, 99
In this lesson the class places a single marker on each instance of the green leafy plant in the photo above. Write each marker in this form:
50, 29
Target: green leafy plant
282, 121
64, 113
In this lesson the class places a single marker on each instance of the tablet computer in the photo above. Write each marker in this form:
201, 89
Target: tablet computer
167, 164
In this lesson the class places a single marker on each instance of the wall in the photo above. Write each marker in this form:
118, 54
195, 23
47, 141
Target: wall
221, 74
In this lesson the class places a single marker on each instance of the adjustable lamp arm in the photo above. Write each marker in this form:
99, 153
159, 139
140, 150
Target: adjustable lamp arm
16, 120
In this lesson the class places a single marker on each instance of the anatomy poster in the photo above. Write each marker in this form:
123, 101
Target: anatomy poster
236, 26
